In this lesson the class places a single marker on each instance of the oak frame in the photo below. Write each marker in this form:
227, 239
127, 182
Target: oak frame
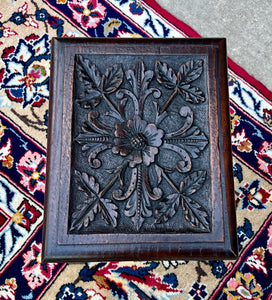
61, 246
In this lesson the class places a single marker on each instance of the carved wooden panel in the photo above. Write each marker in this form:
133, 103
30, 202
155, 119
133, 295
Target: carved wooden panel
139, 151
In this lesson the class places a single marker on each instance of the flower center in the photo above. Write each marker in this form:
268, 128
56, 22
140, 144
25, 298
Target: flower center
138, 141
17, 217
35, 175
28, 80
86, 12
241, 290
198, 292
39, 258
250, 197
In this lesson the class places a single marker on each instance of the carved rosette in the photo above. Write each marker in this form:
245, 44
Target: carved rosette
139, 135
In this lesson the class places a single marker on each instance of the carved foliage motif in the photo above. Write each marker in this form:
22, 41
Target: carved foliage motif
129, 121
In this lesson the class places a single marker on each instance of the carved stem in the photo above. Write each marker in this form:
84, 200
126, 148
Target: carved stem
111, 105
139, 196
169, 100
170, 181
110, 183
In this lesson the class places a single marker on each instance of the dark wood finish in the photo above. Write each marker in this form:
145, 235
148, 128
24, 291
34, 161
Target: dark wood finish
139, 151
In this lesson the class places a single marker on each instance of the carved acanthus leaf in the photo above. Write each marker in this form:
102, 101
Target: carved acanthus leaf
193, 212
190, 71
93, 204
180, 83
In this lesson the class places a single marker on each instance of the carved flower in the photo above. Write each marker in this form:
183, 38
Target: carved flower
138, 140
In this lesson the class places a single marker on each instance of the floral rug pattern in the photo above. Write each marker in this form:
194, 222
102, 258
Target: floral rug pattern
26, 30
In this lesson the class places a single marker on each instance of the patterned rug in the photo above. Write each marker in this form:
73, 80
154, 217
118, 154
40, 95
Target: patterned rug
26, 30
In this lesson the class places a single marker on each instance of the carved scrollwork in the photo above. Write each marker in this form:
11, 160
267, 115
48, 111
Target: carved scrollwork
129, 120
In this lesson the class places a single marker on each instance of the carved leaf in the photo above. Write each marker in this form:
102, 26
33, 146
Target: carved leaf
133, 212
190, 71
91, 99
195, 214
87, 137
193, 141
139, 80
113, 78
192, 183
167, 208
89, 71
86, 211
165, 75
87, 184
92, 77
84, 214
138, 206
191, 94
109, 211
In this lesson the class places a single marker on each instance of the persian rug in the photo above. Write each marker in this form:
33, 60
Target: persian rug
26, 30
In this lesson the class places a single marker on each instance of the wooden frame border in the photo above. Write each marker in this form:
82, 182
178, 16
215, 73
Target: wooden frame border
58, 244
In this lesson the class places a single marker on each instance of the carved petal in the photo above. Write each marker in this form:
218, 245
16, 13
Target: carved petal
154, 135
149, 155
